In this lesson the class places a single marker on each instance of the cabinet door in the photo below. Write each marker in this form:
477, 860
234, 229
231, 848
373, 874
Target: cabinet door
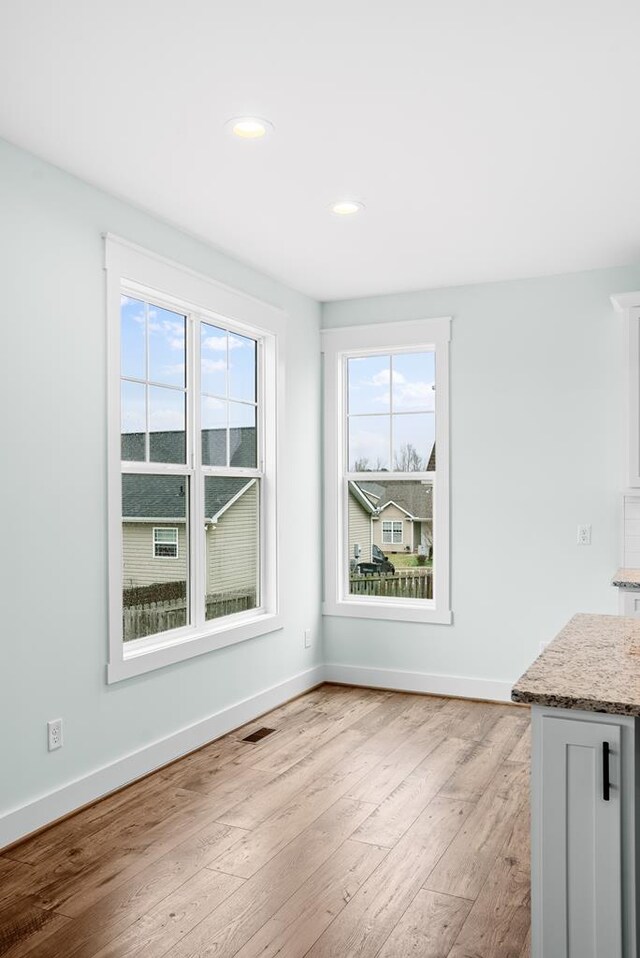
581, 885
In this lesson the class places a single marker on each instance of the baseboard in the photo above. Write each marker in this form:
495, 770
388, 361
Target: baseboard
20, 822
460, 686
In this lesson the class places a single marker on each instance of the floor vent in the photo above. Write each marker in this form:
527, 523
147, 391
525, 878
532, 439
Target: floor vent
258, 734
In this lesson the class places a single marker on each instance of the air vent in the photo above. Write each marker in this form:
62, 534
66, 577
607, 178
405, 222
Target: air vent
258, 734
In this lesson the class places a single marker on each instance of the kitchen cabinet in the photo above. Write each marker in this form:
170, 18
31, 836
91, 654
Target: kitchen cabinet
584, 693
582, 776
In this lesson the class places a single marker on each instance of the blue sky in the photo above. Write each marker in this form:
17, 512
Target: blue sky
375, 384
227, 369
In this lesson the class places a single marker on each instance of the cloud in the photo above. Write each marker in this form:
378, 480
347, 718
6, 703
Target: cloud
216, 343
213, 365
418, 395
219, 343
383, 378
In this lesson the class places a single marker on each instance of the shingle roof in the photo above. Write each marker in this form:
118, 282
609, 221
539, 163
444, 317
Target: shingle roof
164, 497
169, 446
414, 497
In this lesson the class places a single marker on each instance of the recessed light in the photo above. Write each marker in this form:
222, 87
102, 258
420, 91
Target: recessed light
346, 207
249, 127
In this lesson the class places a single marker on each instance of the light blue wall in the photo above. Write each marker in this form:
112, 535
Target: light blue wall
53, 439
537, 440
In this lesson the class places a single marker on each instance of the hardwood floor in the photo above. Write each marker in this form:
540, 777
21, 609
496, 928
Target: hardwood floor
370, 824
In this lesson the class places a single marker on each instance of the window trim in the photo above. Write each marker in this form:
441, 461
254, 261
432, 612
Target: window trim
176, 286
338, 344
155, 543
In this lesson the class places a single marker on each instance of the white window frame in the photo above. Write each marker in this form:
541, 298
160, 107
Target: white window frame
392, 531
141, 273
155, 543
338, 345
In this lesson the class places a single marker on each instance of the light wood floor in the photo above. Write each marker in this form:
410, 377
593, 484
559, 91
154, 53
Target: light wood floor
368, 824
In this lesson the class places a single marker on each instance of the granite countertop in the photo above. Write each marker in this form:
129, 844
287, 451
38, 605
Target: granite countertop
627, 579
593, 664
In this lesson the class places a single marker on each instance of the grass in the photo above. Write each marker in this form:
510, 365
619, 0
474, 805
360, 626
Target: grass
404, 560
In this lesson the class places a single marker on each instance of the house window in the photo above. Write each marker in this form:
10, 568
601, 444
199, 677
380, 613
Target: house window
391, 531
193, 460
386, 461
165, 543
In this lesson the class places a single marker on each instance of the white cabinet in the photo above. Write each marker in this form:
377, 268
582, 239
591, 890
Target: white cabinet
629, 602
583, 835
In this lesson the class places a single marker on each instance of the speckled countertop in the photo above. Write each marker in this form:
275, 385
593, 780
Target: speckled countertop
627, 579
593, 664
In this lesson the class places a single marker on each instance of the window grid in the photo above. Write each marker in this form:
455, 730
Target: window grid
165, 542
193, 467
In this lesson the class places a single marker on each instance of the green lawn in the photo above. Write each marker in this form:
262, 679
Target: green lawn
404, 560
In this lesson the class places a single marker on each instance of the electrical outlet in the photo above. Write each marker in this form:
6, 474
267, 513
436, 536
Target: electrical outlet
584, 535
54, 731
307, 638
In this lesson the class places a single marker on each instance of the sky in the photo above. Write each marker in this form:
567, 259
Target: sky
228, 366
391, 403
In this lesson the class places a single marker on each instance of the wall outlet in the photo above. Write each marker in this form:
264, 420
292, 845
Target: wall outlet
54, 732
307, 638
584, 535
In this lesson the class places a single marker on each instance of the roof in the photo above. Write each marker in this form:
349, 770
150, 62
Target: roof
163, 497
169, 446
360, 496
414, 498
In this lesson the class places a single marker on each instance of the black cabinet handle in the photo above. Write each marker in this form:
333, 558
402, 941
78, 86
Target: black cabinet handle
606, 785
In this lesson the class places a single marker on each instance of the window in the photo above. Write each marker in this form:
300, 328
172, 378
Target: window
193, 456
391, 531
165, 543
386, 462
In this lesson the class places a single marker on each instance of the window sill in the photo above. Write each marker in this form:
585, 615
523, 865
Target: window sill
390, 611
146, 655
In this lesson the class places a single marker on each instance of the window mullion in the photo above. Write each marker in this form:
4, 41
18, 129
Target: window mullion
198, 543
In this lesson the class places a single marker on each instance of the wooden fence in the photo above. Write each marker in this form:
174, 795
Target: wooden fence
151, 617
402, 584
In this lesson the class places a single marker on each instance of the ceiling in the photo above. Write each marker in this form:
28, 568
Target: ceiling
488, 139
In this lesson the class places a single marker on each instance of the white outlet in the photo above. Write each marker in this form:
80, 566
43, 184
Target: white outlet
584, 535
54, 732
307, 638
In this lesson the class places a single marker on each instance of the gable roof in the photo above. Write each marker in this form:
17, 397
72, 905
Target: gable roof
163, 497
360, 496
413, 498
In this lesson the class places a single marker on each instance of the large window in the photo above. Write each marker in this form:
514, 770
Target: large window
386, 483
194, 564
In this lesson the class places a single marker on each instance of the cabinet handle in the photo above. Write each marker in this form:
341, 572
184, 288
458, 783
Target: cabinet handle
606, 785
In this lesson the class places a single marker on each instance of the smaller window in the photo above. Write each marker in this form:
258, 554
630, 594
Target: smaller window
165, 543
391, 531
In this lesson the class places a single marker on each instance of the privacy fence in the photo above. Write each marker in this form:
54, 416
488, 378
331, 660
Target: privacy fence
147, 610
401, 584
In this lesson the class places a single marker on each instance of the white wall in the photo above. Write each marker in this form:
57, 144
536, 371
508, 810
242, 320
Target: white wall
53, 441
537, 431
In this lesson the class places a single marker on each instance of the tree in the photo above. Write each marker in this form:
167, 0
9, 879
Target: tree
408, 459
362, 465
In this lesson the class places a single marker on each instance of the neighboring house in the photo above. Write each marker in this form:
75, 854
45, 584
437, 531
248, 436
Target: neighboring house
361, 512
154, 531
400, 515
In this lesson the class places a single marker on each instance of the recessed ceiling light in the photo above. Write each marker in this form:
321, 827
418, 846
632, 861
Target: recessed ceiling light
249, 127
346, 207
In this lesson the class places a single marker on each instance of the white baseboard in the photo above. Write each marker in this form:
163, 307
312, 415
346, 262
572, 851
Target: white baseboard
19, 822
457, 685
